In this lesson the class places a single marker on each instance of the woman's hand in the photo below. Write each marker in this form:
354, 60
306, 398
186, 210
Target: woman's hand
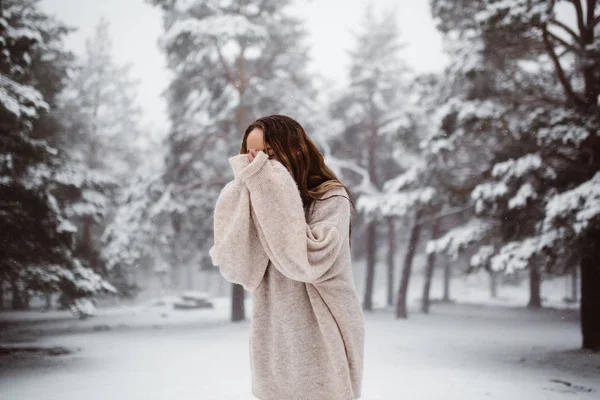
252, 154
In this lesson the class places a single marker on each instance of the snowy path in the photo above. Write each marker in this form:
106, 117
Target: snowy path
460, 353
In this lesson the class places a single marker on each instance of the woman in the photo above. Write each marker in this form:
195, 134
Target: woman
282, 230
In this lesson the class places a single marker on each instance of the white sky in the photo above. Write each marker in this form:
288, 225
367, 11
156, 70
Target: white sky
135, 28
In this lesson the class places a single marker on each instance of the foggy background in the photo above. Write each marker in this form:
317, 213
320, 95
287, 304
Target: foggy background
466, 130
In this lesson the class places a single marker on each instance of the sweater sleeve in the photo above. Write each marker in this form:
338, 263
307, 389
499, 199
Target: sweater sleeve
237, 249
299, 250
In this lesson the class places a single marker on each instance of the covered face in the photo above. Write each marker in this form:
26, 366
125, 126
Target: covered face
256, 141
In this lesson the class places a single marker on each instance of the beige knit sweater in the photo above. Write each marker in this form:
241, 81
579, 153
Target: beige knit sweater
307, 324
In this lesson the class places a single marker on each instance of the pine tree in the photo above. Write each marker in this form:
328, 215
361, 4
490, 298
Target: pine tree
36, 237
540, 182
101, 120
132, 236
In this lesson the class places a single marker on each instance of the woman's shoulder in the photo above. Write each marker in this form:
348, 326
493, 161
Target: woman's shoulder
335, 199
335, 191
333, 206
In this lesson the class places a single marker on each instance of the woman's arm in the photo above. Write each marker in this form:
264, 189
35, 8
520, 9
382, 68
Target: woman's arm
237, 249
298, 250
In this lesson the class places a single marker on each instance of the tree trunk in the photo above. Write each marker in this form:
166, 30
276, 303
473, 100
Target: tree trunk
574, 280
535, 281
435, 232
86, 239
190, 277
493, 284
413, 242
176, 275
370, 275
589, 69
237, 303
447, 278
26, 295
17, 298
590, 292
1, 292
390, 261
48, 298
372, 161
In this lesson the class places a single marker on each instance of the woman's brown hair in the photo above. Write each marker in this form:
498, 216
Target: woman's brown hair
297, 152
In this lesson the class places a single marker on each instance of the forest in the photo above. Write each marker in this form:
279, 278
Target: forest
490, 166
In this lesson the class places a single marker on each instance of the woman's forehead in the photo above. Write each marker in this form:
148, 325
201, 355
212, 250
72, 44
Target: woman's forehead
256, 139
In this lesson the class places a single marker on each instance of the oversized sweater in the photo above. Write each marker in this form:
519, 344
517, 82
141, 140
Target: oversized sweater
307, 327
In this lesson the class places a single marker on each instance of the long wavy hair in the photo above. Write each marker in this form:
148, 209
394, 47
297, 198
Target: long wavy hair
297, 152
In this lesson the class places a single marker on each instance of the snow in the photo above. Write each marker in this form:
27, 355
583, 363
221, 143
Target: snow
338, 165
20, 100
517, 168
401, 181
513, 11
66, 226
469, 52
394, 204
478, 110
567, 134
219, 26
89, 282
583, 203
563, 126
524, 193
482, 257
436, 145
458, 352
85, 280
83, 307
467, 113
518, 254
488, 191
76, 175
460, 238
15, 34
520, 167
166, 204
94, 198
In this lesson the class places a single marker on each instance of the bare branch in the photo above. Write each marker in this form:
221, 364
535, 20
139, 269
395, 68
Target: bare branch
366, 185
570, 31
596, 21
579, 9
568, 46
571, 95
230, 77
242, 70
445, 214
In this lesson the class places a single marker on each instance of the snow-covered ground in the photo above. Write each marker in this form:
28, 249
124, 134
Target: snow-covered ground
458, 352
470, 288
